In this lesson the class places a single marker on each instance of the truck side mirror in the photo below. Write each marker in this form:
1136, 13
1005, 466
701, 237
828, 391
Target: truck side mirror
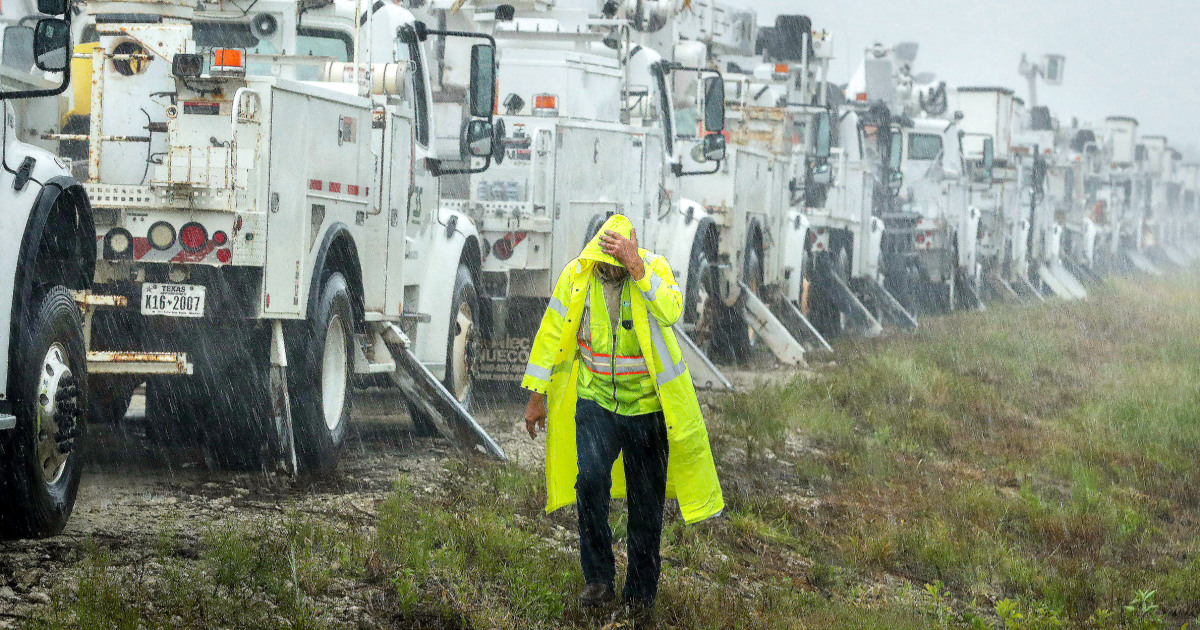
822, 175
51, 42
714, 107
477, 138
989, 153
713, 148
824, 136
52, 7
483, 81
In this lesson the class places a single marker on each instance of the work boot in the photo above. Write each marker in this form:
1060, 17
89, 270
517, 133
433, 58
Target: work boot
640, 611
596, 594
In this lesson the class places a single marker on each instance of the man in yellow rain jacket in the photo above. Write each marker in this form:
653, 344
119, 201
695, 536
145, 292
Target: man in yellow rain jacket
606, 369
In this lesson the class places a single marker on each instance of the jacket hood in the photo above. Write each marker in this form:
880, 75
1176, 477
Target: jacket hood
618, 223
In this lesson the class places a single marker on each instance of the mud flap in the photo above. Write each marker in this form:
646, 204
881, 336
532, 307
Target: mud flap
705, 375
801, 327
281, 403
968, 287
778, 338
848, 303
891, 306
427, 393
1061, 282
1142, 263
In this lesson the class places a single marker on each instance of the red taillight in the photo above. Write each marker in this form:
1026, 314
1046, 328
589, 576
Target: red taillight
219, 238
503, 249
193, 237
812, 237
920, 238
224, 255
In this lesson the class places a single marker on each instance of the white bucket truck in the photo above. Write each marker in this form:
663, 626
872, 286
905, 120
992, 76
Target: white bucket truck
270, 230
591, 131
46, 258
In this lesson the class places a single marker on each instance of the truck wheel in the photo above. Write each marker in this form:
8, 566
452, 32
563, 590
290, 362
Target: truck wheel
462, 351
319, 378
465, 343
701, 286
39, 458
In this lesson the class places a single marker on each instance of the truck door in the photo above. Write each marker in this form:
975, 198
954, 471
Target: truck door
398, 187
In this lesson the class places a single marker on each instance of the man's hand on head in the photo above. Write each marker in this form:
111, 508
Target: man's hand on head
625, 250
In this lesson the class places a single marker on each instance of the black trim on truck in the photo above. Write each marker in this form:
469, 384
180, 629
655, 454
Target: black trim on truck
84, 255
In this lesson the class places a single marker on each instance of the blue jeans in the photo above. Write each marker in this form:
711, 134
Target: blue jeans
600, 435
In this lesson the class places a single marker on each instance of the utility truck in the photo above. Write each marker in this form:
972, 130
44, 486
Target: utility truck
862, 260
47, 254
934, 185
993, 119
591, 131
269, 229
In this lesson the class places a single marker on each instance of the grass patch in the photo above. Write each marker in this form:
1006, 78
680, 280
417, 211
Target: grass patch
1023, 468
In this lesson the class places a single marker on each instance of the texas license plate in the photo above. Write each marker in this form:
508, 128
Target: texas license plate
173, 300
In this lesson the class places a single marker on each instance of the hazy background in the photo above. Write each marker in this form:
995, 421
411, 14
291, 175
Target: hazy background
1139, 59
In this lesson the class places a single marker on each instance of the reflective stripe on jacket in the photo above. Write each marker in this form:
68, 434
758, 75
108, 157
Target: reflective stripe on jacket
554, 365
614, 373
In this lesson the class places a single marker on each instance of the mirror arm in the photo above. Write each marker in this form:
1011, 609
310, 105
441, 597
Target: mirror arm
445, 33
435, 167
677, 168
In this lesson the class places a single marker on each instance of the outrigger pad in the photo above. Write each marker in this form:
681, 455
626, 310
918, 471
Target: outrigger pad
433, 399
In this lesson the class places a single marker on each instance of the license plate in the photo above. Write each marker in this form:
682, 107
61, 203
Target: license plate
173, 300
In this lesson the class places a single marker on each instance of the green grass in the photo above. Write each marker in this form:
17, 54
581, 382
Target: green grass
1023, 468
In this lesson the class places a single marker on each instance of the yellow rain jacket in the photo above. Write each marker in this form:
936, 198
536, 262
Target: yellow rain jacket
554, 365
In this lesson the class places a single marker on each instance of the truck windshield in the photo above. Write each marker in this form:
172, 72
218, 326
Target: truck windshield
924, 146
309, 42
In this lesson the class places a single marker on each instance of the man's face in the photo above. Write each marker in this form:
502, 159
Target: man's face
611, 272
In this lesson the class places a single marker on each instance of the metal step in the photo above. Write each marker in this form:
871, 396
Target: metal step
766, 325
7, 421
892, 307
1061, 282
705, 375
118, 362
801, 327
848, 303
1083, 272
427, 393
1002, 288
1023, 283
1142, 263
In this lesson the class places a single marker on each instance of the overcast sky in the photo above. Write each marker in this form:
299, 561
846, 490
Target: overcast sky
1139, 59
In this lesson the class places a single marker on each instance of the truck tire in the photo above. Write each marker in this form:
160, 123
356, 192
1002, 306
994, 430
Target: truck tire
463, 347
319, 374
40, 458
734, 341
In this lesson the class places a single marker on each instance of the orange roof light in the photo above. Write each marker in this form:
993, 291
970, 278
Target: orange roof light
861, 96
781, 68
545, 101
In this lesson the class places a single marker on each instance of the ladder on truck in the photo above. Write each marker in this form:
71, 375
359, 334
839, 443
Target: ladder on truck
422, 390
